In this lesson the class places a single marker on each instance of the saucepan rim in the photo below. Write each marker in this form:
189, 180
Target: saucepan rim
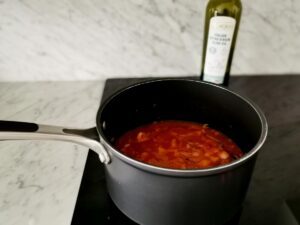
183, 172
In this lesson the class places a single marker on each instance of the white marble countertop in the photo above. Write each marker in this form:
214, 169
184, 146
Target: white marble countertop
90, 40
39, 180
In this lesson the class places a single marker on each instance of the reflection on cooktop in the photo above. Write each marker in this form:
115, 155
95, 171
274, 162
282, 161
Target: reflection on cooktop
116, 217
94, 206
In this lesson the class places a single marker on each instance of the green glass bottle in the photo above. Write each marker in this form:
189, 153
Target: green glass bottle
222, 18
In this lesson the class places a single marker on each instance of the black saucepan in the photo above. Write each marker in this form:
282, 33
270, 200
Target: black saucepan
152, 195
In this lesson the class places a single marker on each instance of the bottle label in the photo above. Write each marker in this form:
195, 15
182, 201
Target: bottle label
221, 29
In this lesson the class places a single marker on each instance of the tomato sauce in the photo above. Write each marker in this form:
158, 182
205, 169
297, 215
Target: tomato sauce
178, 145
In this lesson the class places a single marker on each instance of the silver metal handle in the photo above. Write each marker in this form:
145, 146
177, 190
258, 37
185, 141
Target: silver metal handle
13, 130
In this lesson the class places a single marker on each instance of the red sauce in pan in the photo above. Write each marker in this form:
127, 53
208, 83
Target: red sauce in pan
178, 145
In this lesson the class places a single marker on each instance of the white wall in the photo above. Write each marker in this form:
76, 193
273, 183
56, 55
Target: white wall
97, 39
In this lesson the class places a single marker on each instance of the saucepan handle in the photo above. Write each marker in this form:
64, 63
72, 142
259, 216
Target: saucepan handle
14, 130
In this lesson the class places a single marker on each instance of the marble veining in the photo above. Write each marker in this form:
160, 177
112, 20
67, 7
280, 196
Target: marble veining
90, 40
39, 180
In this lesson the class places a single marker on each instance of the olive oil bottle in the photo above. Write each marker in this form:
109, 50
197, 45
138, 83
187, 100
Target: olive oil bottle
222, 18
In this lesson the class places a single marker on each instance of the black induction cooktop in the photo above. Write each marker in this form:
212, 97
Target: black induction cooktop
271, 183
